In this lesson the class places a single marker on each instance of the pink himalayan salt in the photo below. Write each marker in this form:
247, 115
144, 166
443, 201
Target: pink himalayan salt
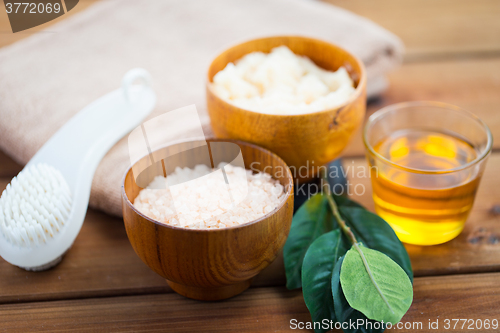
200, 199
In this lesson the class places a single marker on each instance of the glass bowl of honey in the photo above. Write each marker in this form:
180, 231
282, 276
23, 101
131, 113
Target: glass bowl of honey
426, 161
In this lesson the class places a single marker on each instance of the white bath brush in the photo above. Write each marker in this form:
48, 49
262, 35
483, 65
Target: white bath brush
43, 208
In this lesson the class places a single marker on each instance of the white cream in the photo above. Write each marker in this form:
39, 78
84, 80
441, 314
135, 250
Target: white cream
282, 83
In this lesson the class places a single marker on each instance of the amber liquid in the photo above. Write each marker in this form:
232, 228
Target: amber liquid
426, 206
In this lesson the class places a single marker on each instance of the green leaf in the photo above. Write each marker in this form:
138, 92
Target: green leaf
317, 275
371, 230
375, 285
343, 311
345, 201
312, 220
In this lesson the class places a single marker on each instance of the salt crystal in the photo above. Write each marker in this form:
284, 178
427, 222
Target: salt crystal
202, 199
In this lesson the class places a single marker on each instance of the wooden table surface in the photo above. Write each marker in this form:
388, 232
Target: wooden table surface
453, 55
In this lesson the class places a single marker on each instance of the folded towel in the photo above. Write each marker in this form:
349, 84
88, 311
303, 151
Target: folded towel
47, 78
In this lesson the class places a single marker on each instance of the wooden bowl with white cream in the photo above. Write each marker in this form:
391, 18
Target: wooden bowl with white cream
304, 140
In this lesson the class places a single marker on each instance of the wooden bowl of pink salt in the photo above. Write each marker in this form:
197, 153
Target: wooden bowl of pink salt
208, 216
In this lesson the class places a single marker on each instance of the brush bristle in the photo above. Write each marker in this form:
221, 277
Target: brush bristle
34, 206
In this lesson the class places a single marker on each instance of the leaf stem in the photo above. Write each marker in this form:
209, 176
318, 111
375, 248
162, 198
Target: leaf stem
372, 278
333, 206
348, 232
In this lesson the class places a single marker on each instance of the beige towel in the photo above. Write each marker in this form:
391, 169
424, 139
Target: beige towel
48, 77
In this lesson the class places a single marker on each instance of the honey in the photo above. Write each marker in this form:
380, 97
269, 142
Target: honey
425, 193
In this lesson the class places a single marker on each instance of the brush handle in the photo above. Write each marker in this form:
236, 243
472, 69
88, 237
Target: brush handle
76, 150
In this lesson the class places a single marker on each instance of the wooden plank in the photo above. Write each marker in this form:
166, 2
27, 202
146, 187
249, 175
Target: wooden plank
476, 249
469, 84
102, 262
7, 37
435, 28
256, 310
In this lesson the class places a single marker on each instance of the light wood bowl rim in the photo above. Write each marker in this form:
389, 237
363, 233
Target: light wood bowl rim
357, 92
289, 179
